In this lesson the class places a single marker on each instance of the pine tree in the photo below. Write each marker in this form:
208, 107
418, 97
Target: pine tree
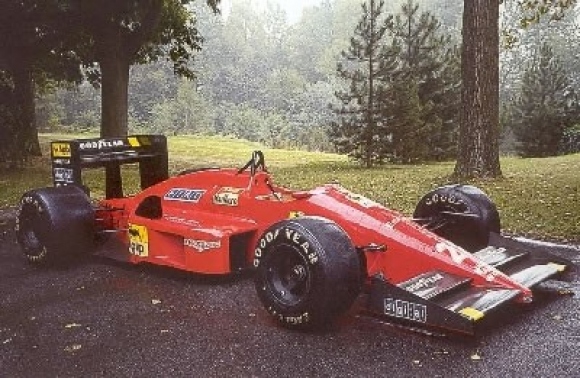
428, 62
360, 127
543, 110
403, 99
409, 127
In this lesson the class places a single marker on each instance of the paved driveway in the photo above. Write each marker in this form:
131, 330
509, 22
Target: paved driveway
101, 318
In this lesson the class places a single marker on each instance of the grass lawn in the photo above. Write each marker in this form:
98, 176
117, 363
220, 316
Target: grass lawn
536, 197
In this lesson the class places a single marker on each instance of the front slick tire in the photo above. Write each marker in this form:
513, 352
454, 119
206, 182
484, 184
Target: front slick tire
308, 272
472, 234
55, 225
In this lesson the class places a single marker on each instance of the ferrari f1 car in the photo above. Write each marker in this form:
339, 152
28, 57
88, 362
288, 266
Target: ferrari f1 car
314, 252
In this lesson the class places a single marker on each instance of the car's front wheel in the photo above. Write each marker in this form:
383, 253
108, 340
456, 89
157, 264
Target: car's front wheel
308, 272
462, 214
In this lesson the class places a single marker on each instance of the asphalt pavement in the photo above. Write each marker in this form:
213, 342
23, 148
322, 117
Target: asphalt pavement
103, 318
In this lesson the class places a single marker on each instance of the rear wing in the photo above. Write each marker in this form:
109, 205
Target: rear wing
70, 157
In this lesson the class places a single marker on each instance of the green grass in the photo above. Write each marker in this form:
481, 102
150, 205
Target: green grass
222, 151
536, 197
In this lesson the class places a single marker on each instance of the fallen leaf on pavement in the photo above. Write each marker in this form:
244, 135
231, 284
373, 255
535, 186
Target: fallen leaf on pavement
73, 348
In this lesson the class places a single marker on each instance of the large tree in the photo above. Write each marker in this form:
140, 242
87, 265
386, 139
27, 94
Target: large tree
365, 63
123, 33
478, 152
35, 42
49, 39
429, 64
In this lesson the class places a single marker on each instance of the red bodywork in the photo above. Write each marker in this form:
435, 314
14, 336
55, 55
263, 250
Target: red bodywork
210, 221
214, 221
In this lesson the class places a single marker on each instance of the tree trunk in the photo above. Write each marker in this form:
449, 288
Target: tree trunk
25, 133
115, 110
114, 94
371, 99
478, 150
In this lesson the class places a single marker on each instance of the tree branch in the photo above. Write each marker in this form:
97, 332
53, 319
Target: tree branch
135, 40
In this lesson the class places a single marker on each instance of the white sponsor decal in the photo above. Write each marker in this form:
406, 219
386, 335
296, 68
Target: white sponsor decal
184, 195
459, 255
290, 235
202, 245
441, 198
61, 161
227, 196
101, 143
456, 254
303, 318
63, 175
424, 282
406, 310
187, 222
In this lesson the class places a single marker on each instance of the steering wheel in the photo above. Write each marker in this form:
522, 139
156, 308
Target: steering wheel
256, 163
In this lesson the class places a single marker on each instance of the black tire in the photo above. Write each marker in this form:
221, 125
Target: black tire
55, 225
308, 272
471, 233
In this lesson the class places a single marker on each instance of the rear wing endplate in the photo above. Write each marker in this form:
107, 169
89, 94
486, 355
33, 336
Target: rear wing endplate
70, 157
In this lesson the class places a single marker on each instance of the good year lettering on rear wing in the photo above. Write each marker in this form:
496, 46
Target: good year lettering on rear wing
70, 157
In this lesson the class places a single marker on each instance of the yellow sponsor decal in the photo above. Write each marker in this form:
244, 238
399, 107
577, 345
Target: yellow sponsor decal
138, 240
471, 313
61, 150
559, 267
134, 142
295, 214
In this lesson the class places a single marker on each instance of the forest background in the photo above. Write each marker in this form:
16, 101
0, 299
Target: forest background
267, 77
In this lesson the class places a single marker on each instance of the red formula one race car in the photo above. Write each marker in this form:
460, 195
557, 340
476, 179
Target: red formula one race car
314, 252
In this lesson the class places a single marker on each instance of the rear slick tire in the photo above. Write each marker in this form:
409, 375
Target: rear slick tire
308, 272
55, 225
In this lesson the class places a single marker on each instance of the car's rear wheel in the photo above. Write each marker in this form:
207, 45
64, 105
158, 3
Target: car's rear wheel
308, 272
55, 224
462, 214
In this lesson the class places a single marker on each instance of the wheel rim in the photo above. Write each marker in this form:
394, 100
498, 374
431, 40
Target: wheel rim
466, 232
445, 224
30, 239
288, 275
